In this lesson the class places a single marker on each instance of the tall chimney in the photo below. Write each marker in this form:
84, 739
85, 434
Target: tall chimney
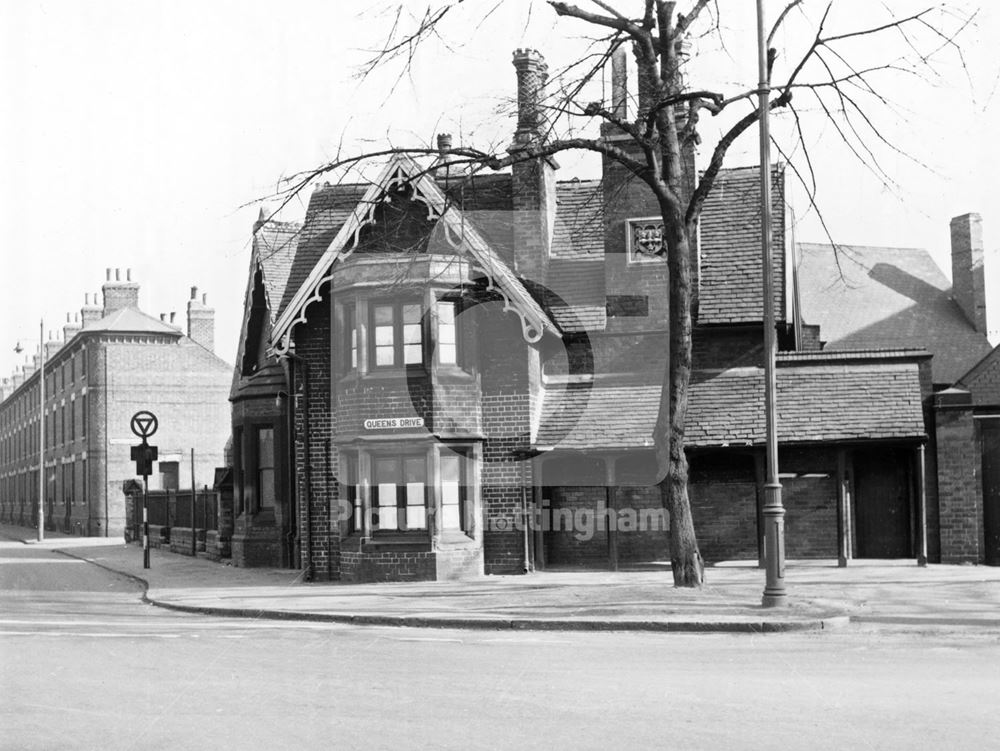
120, 294
619, 83
533, 178
968, 277
201, 321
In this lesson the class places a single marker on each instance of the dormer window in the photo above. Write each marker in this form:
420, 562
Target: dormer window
644, 238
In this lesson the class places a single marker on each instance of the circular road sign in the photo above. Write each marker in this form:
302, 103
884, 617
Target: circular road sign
144, 424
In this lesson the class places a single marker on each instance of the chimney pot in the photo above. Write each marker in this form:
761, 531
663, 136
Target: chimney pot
194, 293
128, 275
68, 319
172, 314
109, 275
443, 142
118, 275
163, 317
204, 299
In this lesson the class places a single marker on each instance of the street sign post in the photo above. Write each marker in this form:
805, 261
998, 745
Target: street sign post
144, 424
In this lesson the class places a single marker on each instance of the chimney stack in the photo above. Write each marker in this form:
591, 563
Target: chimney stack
120, 294
619, 83
52, 346
533, 178
90, 311
968, 277
532, 75
71, 327
201, 321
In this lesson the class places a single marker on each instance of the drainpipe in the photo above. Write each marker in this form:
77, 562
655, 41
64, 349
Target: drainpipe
525, 515
306, 479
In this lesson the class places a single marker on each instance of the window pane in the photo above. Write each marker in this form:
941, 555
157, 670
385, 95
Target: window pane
412, 334
416, 469
383, 314
451, 517
386, 506
411, 313
265, 447
384, 356
266, 487
412, 354
383, 336
416, 513
447, 354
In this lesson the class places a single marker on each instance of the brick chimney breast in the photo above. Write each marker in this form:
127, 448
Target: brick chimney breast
201, 320
533, 183
968, 277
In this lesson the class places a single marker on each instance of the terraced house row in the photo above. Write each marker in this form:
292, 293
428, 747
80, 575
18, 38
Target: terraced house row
106, 364
442, 375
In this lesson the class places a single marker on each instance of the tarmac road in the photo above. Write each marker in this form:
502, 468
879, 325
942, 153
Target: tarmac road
85, 664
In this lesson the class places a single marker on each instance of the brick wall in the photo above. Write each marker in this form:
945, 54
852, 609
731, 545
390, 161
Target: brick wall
725, 518
319, 537
506, 419
959, 489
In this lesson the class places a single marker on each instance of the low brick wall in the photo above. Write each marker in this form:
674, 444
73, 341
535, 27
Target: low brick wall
217, 545
180, 540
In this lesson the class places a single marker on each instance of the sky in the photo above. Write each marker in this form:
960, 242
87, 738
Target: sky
139, 134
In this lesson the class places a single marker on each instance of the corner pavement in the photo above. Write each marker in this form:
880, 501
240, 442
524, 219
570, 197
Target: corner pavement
887, 592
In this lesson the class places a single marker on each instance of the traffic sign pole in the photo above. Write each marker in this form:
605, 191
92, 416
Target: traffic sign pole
144, 424
145, 521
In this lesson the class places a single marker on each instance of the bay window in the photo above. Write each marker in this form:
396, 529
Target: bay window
397, 334
455, 481
266, 494
447, 333
399, 493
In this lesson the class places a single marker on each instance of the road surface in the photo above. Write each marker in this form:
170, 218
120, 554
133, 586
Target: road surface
84, 664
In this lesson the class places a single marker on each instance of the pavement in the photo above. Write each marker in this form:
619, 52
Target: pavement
821, 595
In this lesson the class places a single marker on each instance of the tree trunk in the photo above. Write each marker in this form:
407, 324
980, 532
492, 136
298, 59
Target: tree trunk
685, 558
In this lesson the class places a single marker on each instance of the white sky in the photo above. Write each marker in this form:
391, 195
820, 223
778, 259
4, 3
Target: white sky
135, 131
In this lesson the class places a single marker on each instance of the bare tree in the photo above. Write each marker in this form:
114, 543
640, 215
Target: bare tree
664, 37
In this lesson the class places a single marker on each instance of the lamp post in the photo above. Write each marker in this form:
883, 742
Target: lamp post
773, 511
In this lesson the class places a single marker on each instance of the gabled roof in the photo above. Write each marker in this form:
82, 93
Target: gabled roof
983, 380
817, 402
130, 320
871, 297
461, 232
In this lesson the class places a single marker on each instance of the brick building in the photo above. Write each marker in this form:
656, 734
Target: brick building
870, 297
110, 362
443, 375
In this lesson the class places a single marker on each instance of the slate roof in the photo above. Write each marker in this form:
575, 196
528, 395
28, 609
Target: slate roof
730, 243
276, 245
817, 402
325, 235
731, 273
131, 320
329, 207
983, 380
886, 297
